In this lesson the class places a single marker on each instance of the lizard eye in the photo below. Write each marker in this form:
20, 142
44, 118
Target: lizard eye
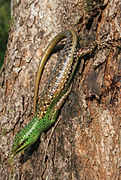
33, 135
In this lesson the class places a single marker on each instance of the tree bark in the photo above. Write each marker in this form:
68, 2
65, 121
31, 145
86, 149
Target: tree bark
85, 143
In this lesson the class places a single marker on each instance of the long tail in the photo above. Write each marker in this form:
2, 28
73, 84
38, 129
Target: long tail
48, 51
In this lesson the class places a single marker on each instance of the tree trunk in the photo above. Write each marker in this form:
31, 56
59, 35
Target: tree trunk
85, 142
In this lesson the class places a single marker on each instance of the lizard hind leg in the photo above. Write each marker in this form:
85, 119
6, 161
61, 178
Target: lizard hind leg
62, 100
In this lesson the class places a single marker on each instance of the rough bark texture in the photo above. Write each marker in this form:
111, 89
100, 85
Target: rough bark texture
85, 143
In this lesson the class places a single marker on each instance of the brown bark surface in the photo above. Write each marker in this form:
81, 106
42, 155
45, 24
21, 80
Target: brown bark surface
85, 143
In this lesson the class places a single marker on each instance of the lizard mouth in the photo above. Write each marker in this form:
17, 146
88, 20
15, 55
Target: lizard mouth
19, 149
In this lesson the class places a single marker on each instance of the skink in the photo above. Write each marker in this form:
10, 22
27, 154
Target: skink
54, 94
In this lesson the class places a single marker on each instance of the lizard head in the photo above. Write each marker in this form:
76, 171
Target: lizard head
26, 137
